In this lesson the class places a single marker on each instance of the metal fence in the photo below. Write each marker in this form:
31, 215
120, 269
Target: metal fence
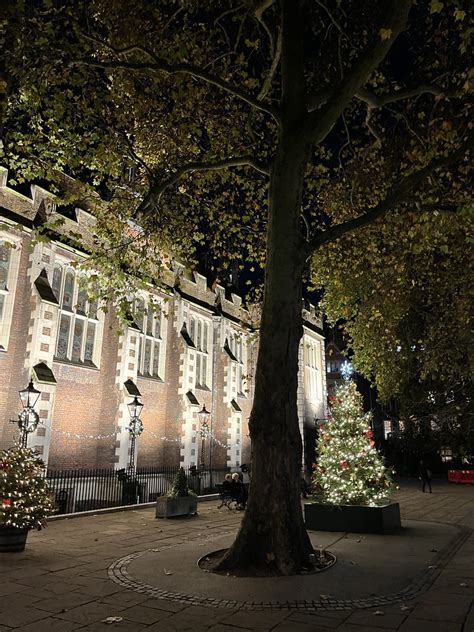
84, 490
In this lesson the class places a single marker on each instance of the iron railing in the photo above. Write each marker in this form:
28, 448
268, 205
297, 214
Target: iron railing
76, 491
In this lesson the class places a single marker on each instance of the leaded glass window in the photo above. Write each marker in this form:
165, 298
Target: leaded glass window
63, 336
236, 347
312, 370
5, 258
9, 259
68, 291
199, 334
78, 320
148, 318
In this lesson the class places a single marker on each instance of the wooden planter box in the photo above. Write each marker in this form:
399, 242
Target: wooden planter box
12, 540
167, 507
352, 518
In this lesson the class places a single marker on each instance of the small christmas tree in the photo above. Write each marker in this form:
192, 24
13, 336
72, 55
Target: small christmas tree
25, 500
180, 485
349, 471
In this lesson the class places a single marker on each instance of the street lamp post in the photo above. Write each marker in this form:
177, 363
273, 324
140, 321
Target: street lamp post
135, 429
28, 419
204, 417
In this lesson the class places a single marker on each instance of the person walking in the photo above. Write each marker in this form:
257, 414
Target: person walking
425, 476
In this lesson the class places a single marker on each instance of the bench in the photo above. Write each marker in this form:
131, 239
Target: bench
225, 497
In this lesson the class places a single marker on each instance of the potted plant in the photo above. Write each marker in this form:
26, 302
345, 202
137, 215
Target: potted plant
25, 500
351, 485
179, 500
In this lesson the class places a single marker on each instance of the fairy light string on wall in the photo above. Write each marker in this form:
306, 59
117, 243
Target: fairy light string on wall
113, 435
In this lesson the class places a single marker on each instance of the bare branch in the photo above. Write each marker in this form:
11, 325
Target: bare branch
221, 26
400, 193
370, 127
160, 65
292, 61
239, 32
261, 6
320, 122
273, 68
316, 100
158, 188
442, 207
332, 18
135, 156
174, 16
377, 101
267, 30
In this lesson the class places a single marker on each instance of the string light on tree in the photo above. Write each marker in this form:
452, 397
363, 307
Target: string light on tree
349, 471
25, 497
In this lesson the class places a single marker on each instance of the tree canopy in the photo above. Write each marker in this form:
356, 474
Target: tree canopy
261, 132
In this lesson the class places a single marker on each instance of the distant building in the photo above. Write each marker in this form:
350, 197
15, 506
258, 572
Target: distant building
335, 360
196, 349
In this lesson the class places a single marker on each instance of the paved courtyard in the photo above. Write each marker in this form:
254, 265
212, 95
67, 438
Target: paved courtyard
128, 571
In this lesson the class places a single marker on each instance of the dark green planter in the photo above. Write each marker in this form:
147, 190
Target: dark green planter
169, 507
12, 540
352, 518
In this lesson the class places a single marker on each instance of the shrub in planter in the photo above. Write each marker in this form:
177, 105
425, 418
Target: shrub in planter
179, 500
25, 497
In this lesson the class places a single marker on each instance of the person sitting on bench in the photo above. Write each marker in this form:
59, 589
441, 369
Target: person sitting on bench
228, 484
239, 491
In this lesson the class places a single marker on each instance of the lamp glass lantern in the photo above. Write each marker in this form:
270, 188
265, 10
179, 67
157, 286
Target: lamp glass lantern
204, 416
135, 408
29, 396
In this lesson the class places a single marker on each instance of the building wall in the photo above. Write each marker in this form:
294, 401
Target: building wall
83, 406
13, 374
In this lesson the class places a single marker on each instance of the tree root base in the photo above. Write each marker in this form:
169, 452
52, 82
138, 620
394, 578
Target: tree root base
208, 563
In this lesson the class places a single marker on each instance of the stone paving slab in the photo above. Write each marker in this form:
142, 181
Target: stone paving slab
359, 574
60, 582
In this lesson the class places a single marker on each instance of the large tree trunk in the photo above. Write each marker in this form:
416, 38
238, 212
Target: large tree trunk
272, 538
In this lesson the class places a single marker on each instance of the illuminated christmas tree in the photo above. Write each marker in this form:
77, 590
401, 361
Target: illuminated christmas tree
25, 497
349, 470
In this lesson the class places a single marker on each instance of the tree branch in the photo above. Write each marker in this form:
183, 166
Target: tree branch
292, 61
316, 100
160, 65
261, 6
400, 193
332, 18
377, 101
267, 84
320, 122
158, 188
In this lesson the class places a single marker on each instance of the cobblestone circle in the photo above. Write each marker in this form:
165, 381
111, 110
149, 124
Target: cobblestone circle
118, 573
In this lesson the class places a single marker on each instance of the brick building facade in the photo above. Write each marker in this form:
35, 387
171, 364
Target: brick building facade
196, 348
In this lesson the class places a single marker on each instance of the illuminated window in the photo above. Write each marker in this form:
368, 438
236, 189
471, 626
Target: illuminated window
5, 261
148, 318
312, 370
78, 317
237, 349
9, 261
199, 332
